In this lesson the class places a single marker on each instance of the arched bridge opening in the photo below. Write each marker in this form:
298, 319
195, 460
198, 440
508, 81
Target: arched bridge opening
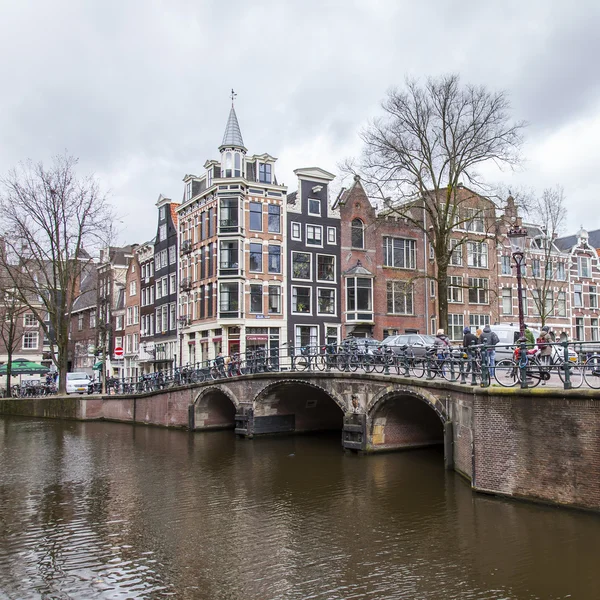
294, 407
400, 421
214, 408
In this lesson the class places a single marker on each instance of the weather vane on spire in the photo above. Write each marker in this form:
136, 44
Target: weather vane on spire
233, 96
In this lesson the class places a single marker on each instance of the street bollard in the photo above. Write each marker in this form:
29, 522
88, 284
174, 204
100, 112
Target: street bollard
523, 364
567, 366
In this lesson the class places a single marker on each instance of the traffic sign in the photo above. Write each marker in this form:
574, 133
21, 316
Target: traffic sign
119, 352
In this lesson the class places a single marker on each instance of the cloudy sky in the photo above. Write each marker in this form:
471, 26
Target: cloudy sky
139, 89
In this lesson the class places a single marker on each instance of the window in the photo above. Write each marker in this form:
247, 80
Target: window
399, 253
237, 164
535, 268
30, 340
307, 336
256, 298
163, 258
29, 320
477, 254
478, 290
256, 258
314, 235
535, 295
296, 231
274, 299
264, 173
359, 298
331, 235
456, 324
475, 221
455, 289
456, 256
118, 322
228, 299
129, 316
211, 222
228, 258
128, 344
593, 297
357, 232
79, 321
93, 318
229, 214
583, 266
579, 333
506, 265
560, 271
594, 330
136, 314
325, 301
506, 301
274, 259
399, 298
524, 302
173, 283
301, 265
561, 304
255, 216
162, 232
476, 321
301, 299
162, 213
314, 207
172, 255
133, 288
228, 164
332, 335
432, 288
325, 267
274, 218
432, 251
578, 295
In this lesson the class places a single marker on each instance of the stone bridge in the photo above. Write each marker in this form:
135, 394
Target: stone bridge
540, 444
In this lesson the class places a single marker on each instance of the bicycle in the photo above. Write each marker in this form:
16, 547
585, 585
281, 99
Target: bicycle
509, 372
591, 371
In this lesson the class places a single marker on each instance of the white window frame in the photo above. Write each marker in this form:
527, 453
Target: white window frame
293, 298
310, 212
455, 289
331, 235
310, 278
33, 342
328, 281
328, 314
319, 239
296, 231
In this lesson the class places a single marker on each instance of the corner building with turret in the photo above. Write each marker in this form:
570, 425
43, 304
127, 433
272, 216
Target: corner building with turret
232, 254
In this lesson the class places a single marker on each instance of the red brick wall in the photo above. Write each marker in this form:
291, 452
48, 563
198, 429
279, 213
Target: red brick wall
546, 448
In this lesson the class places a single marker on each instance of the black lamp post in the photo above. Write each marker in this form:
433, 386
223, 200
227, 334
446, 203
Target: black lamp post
517, 237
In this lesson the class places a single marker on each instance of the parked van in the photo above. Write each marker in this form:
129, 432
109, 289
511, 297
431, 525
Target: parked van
77, 383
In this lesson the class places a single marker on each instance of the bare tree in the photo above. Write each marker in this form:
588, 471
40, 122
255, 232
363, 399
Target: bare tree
547, 272
431, 140
52, 223
12, 313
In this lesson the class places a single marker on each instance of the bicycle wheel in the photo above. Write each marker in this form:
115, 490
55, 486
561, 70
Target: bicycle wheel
506, 373
536, 373
321, 362
591, 372
368, 363
302, 363
450, 368
417, 367
575, 374
354, 362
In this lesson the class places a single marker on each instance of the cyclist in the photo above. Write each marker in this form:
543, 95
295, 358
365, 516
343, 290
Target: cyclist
490, 339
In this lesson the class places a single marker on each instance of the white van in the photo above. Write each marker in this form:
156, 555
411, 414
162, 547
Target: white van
77, 383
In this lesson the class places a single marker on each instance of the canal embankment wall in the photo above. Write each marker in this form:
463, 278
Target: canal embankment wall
540, 444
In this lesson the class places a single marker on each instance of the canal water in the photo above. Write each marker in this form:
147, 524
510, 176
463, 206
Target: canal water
101, 510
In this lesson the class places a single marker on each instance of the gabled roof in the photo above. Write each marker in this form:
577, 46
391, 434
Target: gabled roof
88, 289
291, 198
232, 135
567, 242
314, 173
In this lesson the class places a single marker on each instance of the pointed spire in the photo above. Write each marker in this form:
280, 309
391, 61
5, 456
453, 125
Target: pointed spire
233, 135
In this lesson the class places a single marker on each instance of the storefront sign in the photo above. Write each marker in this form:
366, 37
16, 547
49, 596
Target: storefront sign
263, 316
257, 338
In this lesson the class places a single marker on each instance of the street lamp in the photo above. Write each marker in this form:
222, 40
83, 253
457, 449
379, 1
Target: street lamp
517, 237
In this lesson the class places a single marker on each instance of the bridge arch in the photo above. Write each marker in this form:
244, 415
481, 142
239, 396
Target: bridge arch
297, 405
401, 417
215, 407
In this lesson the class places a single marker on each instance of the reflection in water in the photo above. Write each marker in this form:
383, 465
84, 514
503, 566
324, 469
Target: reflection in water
97, 510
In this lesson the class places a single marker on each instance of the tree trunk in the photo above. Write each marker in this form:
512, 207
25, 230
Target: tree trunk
9, 373
63, 366
442, 278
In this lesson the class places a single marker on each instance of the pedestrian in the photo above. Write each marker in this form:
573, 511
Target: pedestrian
543, 343
478, 332
441, 344
469, 339
529, 336
489, 339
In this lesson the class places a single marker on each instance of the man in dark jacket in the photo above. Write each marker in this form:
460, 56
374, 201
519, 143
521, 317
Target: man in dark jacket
469, 339
490, 339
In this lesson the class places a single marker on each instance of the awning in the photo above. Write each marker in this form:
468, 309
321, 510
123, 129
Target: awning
97, 366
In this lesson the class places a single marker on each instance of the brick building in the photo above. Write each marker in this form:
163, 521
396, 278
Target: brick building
131, 333
145, 258
83, 330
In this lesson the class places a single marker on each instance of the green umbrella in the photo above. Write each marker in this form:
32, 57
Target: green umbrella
22, 366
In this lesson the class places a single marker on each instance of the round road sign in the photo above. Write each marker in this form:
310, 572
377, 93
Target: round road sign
119, 352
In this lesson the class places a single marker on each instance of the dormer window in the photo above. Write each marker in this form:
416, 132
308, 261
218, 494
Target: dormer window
264, 173
188, 190
162, 213
209, 177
